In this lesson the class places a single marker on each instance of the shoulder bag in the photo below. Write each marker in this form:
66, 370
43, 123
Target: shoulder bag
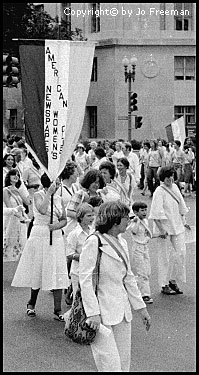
76, 328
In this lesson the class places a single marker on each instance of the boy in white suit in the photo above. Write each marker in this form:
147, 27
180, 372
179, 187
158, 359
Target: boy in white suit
139, 258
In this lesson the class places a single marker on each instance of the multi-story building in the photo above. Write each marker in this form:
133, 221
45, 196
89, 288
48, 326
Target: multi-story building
162, 36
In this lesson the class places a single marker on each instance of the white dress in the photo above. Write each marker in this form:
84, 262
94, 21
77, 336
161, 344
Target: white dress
43, 265
14, 233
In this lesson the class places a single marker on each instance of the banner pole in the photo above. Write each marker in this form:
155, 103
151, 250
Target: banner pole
51, 219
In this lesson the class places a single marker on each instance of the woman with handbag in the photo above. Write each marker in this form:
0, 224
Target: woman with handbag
117, 289
168, 211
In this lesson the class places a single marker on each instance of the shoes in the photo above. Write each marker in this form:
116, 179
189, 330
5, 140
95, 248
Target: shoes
167, 290
30, 312
173, 286
58, 316
147, 299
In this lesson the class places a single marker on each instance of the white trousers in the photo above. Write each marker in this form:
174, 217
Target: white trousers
142, 267
171, 259
113, 353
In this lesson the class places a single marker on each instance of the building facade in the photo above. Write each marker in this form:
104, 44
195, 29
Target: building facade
162, 36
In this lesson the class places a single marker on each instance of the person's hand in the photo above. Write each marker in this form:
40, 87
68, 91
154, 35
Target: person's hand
52, 189
187, 226
145, 318
52, 226
94, 321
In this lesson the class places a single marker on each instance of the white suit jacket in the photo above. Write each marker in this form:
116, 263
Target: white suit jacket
115, 297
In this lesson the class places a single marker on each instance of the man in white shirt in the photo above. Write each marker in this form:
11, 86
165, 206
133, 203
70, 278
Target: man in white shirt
133, 160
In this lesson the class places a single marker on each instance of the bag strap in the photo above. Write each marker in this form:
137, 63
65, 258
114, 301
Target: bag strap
96, 271
116, 250
67, 190
171, 193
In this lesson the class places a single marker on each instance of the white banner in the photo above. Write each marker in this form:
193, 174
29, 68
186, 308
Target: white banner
178, 129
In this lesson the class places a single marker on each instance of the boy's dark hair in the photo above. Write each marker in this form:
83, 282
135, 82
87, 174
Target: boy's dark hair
137, 205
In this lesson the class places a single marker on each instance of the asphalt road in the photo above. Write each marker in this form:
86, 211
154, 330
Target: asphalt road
39, 345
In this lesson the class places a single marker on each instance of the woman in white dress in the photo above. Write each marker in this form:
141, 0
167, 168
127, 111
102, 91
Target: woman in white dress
14, 226
43, 265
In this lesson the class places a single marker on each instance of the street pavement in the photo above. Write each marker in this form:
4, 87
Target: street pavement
39, 345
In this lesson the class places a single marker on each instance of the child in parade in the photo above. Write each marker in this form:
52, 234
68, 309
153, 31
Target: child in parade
140, 260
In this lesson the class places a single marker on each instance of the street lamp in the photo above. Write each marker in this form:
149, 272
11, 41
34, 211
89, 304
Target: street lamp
129, 75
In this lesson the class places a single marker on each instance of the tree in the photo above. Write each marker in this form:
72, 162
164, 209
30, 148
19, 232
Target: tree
23, 20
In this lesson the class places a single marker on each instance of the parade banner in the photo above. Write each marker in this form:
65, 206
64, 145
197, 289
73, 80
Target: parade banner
55, 84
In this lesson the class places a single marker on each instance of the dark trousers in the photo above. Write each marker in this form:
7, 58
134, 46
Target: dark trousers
152, 174
141, 185
57, 294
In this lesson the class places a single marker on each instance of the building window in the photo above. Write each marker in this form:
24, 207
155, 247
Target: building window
94, 70
13, 118
183, 17
92, 112
184, 67
95, 17
189, 113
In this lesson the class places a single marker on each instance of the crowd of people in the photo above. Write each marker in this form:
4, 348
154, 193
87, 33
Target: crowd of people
56, 249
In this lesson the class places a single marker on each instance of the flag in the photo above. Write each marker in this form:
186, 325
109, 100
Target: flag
176, 130
55, 84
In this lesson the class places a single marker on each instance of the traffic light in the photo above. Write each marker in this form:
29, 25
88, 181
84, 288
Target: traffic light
138, 122
133, 102
10, 70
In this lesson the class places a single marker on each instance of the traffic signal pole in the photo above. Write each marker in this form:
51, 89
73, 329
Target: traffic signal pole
129, 110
